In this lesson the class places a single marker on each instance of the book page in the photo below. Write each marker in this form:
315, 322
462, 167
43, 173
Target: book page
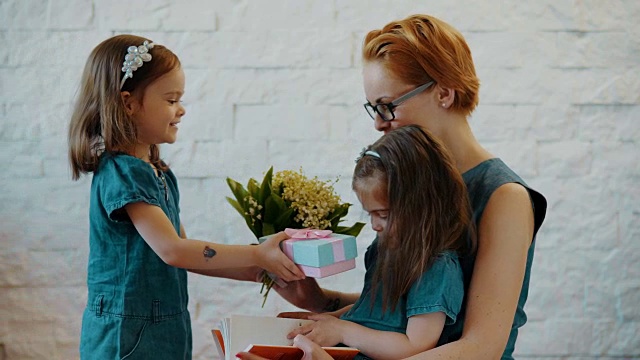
267, 330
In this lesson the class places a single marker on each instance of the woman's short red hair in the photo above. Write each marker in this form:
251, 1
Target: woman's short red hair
422, 48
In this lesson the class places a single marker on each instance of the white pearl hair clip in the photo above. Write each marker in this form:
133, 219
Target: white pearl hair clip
365, 152
136, 56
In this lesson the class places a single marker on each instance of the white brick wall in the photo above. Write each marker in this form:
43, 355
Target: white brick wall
560, 102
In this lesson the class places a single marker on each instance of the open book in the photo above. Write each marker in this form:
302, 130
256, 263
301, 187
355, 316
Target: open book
265, 336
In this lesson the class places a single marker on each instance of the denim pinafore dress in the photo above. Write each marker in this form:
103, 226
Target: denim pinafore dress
137, 304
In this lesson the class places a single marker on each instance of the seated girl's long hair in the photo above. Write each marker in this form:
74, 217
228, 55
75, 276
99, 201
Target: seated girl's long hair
429, 209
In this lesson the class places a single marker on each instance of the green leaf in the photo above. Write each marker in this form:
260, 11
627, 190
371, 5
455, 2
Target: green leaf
277, 190
284, 220
254, 189
238, 191
271, 209
247, 218
353, 230
268, 229
279, 202
236, 206
258, 229
265, 187
339, 212
336, 216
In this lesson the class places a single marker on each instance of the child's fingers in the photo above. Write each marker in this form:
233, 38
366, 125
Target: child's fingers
291, 273
304, 329
284, 273
291, 270
311, 350
295, 270
275, 261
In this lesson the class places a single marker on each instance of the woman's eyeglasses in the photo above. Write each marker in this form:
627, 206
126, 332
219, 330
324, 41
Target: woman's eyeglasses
386, 110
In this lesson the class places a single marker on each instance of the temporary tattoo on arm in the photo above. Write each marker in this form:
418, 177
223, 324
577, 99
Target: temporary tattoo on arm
208, 253
332, 305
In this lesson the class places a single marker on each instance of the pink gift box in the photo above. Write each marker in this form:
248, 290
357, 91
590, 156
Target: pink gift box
319, 253
335, 268
318, 248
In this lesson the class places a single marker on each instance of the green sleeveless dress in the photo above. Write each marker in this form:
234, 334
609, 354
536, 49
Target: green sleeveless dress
481, 182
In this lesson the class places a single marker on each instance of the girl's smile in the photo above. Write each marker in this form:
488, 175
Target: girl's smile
160, 111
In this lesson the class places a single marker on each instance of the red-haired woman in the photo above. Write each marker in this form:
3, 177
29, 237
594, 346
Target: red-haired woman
419, 71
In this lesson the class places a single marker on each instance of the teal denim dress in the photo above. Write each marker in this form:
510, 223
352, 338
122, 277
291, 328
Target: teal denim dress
439, 289
137, 304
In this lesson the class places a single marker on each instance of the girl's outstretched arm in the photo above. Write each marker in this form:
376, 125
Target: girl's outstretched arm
252, 273
504, 237
156, 229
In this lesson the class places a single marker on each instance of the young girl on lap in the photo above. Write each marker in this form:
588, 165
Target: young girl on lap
413, 284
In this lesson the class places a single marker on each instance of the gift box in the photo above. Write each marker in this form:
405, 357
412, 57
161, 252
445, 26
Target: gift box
320, 253
323, 271
319, 249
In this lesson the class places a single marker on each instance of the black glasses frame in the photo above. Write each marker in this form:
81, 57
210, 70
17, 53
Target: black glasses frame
381, 109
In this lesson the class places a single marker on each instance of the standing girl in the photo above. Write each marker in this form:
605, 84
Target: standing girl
419, 71
137, 282
413, 284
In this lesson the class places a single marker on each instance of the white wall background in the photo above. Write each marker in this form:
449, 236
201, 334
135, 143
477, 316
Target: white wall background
279, 83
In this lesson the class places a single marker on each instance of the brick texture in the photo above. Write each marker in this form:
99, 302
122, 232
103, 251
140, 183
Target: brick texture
279, 83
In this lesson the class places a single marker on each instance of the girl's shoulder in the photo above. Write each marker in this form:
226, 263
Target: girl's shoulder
123, 165
448, 260
122, 161
448, 255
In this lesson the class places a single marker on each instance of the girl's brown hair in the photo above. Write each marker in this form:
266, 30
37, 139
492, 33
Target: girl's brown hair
99, 121
429, 209
422, 48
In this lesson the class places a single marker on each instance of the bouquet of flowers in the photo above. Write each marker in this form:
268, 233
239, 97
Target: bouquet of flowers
289, 199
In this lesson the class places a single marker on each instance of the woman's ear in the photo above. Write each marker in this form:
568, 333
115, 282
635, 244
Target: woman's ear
446, 96
130, 102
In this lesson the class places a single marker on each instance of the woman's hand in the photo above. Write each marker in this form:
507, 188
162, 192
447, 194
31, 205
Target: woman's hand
296, 314
270, 257
305, 294
306, 314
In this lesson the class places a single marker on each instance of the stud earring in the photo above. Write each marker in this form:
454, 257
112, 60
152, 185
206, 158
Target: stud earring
444, 105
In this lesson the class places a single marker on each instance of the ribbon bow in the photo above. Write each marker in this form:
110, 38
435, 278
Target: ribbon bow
307, 233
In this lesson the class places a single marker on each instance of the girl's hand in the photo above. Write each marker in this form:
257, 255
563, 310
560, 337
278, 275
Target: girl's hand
325, 331
271, 258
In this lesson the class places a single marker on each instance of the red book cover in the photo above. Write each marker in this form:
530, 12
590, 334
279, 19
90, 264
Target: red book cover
275, 352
